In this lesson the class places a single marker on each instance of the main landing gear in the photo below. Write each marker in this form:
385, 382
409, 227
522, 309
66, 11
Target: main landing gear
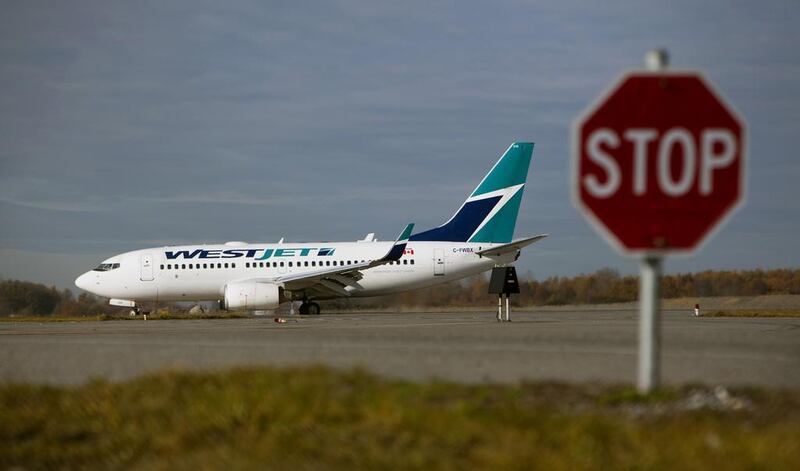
138, 310
310, 308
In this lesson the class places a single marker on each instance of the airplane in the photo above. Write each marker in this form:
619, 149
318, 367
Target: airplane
262, 276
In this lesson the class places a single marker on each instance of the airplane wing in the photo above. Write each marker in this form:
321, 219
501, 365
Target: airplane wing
511, 246
336, 279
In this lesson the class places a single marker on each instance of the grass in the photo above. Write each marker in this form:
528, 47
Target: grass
317, 418
754, 313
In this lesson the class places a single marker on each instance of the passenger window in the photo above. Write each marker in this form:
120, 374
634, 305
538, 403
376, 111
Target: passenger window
261, 264
412, 261
183, 266
219, 265
233, 265
162, 267
226, 265
205, 265
327, 263
191, 266
290, 264
405, 262
247, 265
313, 263
281, 263
169, 266
306, 263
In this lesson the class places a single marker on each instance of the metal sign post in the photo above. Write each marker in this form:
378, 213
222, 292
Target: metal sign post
649, 368
649, 371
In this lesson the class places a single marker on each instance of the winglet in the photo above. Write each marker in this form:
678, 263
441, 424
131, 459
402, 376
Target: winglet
400, 244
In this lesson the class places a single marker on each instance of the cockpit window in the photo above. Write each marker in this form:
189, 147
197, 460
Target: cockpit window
106, 267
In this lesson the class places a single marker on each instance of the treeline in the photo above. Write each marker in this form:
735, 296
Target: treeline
603, 286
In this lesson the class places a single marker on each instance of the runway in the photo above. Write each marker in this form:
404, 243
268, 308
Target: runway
464, 347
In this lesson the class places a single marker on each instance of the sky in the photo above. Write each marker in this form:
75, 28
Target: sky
126, 125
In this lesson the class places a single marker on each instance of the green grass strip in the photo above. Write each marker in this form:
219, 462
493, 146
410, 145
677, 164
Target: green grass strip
317, 418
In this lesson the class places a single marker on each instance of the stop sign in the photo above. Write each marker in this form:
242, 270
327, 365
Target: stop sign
658, 162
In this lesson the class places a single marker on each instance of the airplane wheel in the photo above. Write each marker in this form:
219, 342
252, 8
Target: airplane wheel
313, 309
303, 310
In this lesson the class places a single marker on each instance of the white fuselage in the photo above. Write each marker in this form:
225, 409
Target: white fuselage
201, 272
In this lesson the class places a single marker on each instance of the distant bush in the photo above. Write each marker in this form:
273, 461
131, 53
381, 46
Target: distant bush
34, 299
22, 297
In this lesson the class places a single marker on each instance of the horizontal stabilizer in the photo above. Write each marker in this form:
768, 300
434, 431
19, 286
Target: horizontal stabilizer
511, 246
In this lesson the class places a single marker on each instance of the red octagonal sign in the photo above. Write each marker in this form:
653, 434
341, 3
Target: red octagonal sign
658, 162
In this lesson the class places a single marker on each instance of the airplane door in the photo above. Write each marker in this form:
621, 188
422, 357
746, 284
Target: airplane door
438, 262
146, 266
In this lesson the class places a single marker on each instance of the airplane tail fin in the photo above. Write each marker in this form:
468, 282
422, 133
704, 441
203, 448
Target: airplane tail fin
490, 213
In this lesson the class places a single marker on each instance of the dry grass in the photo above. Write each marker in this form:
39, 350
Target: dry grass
124, 316
316, 418
753, 313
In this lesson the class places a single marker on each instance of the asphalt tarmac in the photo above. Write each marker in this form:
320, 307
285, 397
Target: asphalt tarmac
464, 347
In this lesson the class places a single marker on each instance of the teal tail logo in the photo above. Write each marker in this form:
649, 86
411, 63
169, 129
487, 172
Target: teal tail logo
490, 212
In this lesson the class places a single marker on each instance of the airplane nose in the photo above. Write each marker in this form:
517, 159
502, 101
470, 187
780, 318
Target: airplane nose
83, 281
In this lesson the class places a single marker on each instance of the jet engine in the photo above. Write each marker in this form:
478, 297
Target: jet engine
251, 295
